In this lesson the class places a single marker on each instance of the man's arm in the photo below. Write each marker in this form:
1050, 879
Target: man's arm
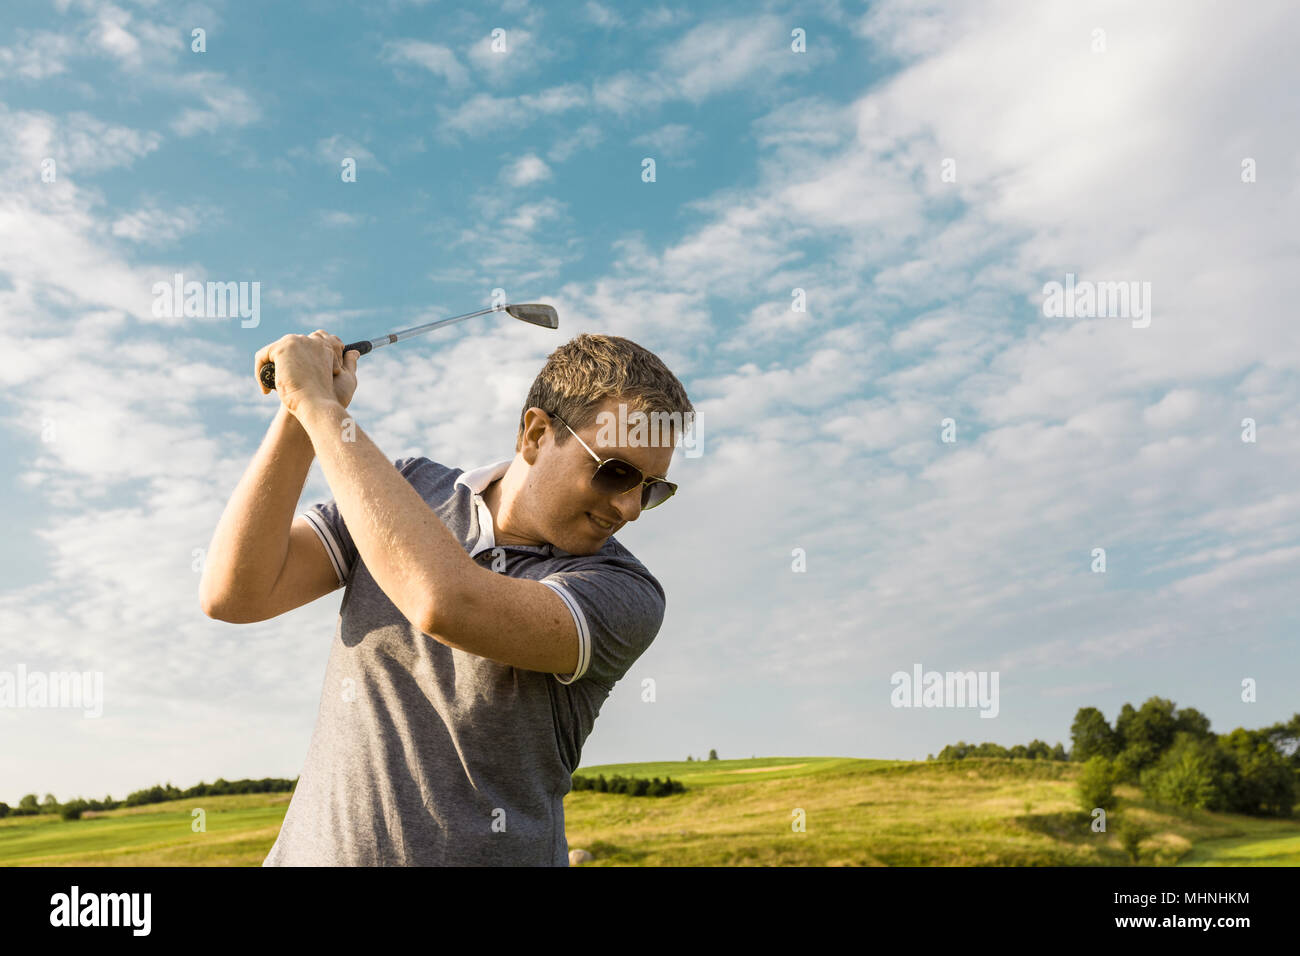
423, 569
251, 542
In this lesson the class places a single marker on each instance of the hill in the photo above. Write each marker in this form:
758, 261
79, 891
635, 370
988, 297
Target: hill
997, 812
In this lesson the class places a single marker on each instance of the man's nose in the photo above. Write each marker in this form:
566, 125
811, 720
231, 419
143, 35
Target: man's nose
628, 504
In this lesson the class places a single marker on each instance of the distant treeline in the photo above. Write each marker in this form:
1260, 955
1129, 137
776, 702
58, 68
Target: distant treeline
1174, 757
1037, 750
73, 809
632, 786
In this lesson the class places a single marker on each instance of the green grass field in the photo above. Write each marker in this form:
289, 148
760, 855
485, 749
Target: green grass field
739, 813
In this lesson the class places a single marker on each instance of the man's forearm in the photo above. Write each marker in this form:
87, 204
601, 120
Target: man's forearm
407, 549
251, 540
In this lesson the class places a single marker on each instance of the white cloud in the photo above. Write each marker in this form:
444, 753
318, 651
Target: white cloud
79, 143
37, 55
341, 219
601, 15
571, 143
482, 113
433, 57
522, 56
332, 150
227, 105
153, 224
672, 142
525, 171
530, 215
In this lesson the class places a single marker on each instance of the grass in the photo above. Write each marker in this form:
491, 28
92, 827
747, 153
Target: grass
740, 813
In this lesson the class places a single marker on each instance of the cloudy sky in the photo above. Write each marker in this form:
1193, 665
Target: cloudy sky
919, 173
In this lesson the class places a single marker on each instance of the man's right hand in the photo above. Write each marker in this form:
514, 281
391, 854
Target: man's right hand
344, 367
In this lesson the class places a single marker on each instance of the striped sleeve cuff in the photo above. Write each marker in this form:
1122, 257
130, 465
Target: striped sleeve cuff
332, 547
584, 634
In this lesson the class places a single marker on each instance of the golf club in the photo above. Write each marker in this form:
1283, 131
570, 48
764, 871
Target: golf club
531, 312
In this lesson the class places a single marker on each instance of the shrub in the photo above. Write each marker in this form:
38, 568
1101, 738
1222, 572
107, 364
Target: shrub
1131, 835
1194, 773
1097, 785
1265, 784
631, 786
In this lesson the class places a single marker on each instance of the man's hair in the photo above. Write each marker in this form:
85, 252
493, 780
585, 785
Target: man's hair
581, 374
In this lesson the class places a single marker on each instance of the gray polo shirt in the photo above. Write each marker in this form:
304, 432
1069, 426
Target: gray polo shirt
430, 756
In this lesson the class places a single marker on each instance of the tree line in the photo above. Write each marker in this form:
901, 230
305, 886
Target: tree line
632, 786
72, 810
1173, 757
1035, 750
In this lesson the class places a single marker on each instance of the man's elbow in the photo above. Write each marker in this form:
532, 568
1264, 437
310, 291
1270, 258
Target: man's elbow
213, 608
438, 616
221, 609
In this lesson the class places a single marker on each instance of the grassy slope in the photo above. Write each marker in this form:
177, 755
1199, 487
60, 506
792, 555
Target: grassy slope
858, 812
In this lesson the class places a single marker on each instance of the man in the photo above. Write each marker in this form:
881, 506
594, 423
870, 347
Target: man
486, 615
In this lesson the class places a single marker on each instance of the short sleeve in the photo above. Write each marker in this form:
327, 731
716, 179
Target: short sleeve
617, 610
329, 526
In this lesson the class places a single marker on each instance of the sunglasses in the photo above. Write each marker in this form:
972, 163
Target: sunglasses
616, 477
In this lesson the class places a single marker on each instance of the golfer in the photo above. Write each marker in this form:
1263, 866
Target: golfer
486, 614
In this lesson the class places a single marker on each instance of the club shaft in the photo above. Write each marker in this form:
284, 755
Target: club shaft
267, 372
392, 337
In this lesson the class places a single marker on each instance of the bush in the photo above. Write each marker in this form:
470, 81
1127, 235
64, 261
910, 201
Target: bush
1265, 784
73, 809
1193, 773
1131, 835
631, 786
1097, 785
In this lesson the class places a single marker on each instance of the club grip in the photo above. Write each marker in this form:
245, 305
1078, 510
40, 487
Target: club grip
267, 372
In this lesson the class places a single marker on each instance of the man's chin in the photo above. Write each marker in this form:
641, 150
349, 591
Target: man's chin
580, 546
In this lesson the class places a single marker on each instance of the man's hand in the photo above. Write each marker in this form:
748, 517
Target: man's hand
310, 368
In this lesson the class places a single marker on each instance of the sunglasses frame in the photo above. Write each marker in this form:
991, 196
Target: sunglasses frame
601, 462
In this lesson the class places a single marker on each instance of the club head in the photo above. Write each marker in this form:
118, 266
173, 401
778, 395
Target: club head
535, 314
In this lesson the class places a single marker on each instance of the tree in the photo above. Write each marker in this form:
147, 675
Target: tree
1194, 773
1122, 723
4, 810
1091, 736
689, 758
1096, 786
49, 804
1285, 738
1131, 835
1192, 721
1147, 734
1038, 750
1265, 784
713, 755
28, 802
1058, 752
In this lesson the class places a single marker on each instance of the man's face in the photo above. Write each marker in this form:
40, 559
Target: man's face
566, 509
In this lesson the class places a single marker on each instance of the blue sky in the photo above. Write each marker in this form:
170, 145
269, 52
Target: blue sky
1117, 158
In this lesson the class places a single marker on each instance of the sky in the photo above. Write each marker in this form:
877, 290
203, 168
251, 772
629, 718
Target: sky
915, 469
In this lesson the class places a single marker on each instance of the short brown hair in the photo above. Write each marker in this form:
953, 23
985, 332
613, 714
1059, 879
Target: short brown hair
581, 374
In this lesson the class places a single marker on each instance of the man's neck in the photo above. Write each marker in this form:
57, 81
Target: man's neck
493, 498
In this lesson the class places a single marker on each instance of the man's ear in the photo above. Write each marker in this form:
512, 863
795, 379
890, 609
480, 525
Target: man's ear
535, 426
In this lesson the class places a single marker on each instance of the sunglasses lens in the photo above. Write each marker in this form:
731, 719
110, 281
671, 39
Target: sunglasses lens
656, 493
616, 477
